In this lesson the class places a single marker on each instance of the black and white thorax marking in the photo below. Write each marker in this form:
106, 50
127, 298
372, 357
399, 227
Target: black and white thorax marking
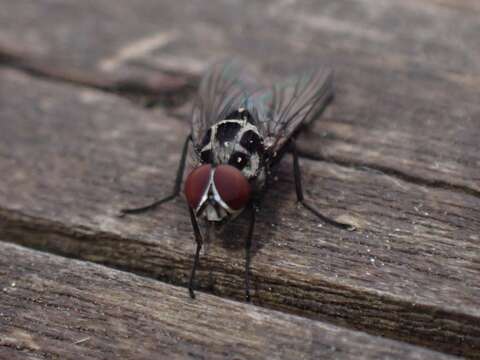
235, 141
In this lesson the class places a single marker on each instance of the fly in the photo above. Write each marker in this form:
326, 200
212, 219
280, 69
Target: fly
239, 132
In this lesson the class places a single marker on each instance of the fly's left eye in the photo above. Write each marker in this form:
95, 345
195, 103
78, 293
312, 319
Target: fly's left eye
238, 159
196, 184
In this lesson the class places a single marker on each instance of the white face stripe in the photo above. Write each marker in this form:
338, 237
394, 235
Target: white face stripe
206, 192
211, 188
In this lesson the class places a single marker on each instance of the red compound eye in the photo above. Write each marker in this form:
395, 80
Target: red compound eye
232, 186
196, 184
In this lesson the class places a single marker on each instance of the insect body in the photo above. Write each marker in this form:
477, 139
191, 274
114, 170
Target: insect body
233, 149
239, 132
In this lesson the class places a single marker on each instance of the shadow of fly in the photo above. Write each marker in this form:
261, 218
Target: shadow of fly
239, 132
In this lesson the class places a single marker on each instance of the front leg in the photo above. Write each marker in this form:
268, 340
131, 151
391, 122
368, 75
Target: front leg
248, 247
199, 241
298, 187
176, 187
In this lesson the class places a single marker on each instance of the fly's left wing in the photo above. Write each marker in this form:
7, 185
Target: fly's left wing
291, 103
225, 87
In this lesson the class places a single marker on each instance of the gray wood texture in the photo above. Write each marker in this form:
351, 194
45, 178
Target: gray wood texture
71, 158
397, 154
397, 65
57, 308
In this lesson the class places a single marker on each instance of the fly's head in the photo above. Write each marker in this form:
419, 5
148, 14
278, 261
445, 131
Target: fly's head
217, 193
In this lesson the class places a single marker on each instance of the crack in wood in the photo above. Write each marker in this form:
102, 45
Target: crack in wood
360, 309
167, 88
438, 184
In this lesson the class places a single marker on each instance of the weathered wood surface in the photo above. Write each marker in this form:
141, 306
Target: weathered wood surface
398, 65
400, 144
56, 308
70, 158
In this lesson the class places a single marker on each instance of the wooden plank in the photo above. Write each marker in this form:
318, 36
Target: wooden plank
71, 157
53, 307
407, 72
429, 31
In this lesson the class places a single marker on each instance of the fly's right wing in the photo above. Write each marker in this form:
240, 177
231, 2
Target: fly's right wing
223, 89
294, 102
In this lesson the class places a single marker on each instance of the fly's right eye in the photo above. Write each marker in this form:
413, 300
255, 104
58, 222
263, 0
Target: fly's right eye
238, 160
196, 184
232, 186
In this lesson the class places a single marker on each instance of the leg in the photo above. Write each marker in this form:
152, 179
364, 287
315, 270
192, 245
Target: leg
298, 187
199, 241
176, 188
248, 246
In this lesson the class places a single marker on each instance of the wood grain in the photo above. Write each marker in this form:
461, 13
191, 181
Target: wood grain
407, 72
397, 153
71, 158
57, 308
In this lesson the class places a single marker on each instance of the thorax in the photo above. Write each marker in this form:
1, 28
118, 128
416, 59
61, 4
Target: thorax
236, 142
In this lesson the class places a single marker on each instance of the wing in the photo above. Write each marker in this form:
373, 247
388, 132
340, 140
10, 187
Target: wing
291, 103
224, 88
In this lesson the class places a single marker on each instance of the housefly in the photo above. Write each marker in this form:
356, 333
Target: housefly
239, 132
